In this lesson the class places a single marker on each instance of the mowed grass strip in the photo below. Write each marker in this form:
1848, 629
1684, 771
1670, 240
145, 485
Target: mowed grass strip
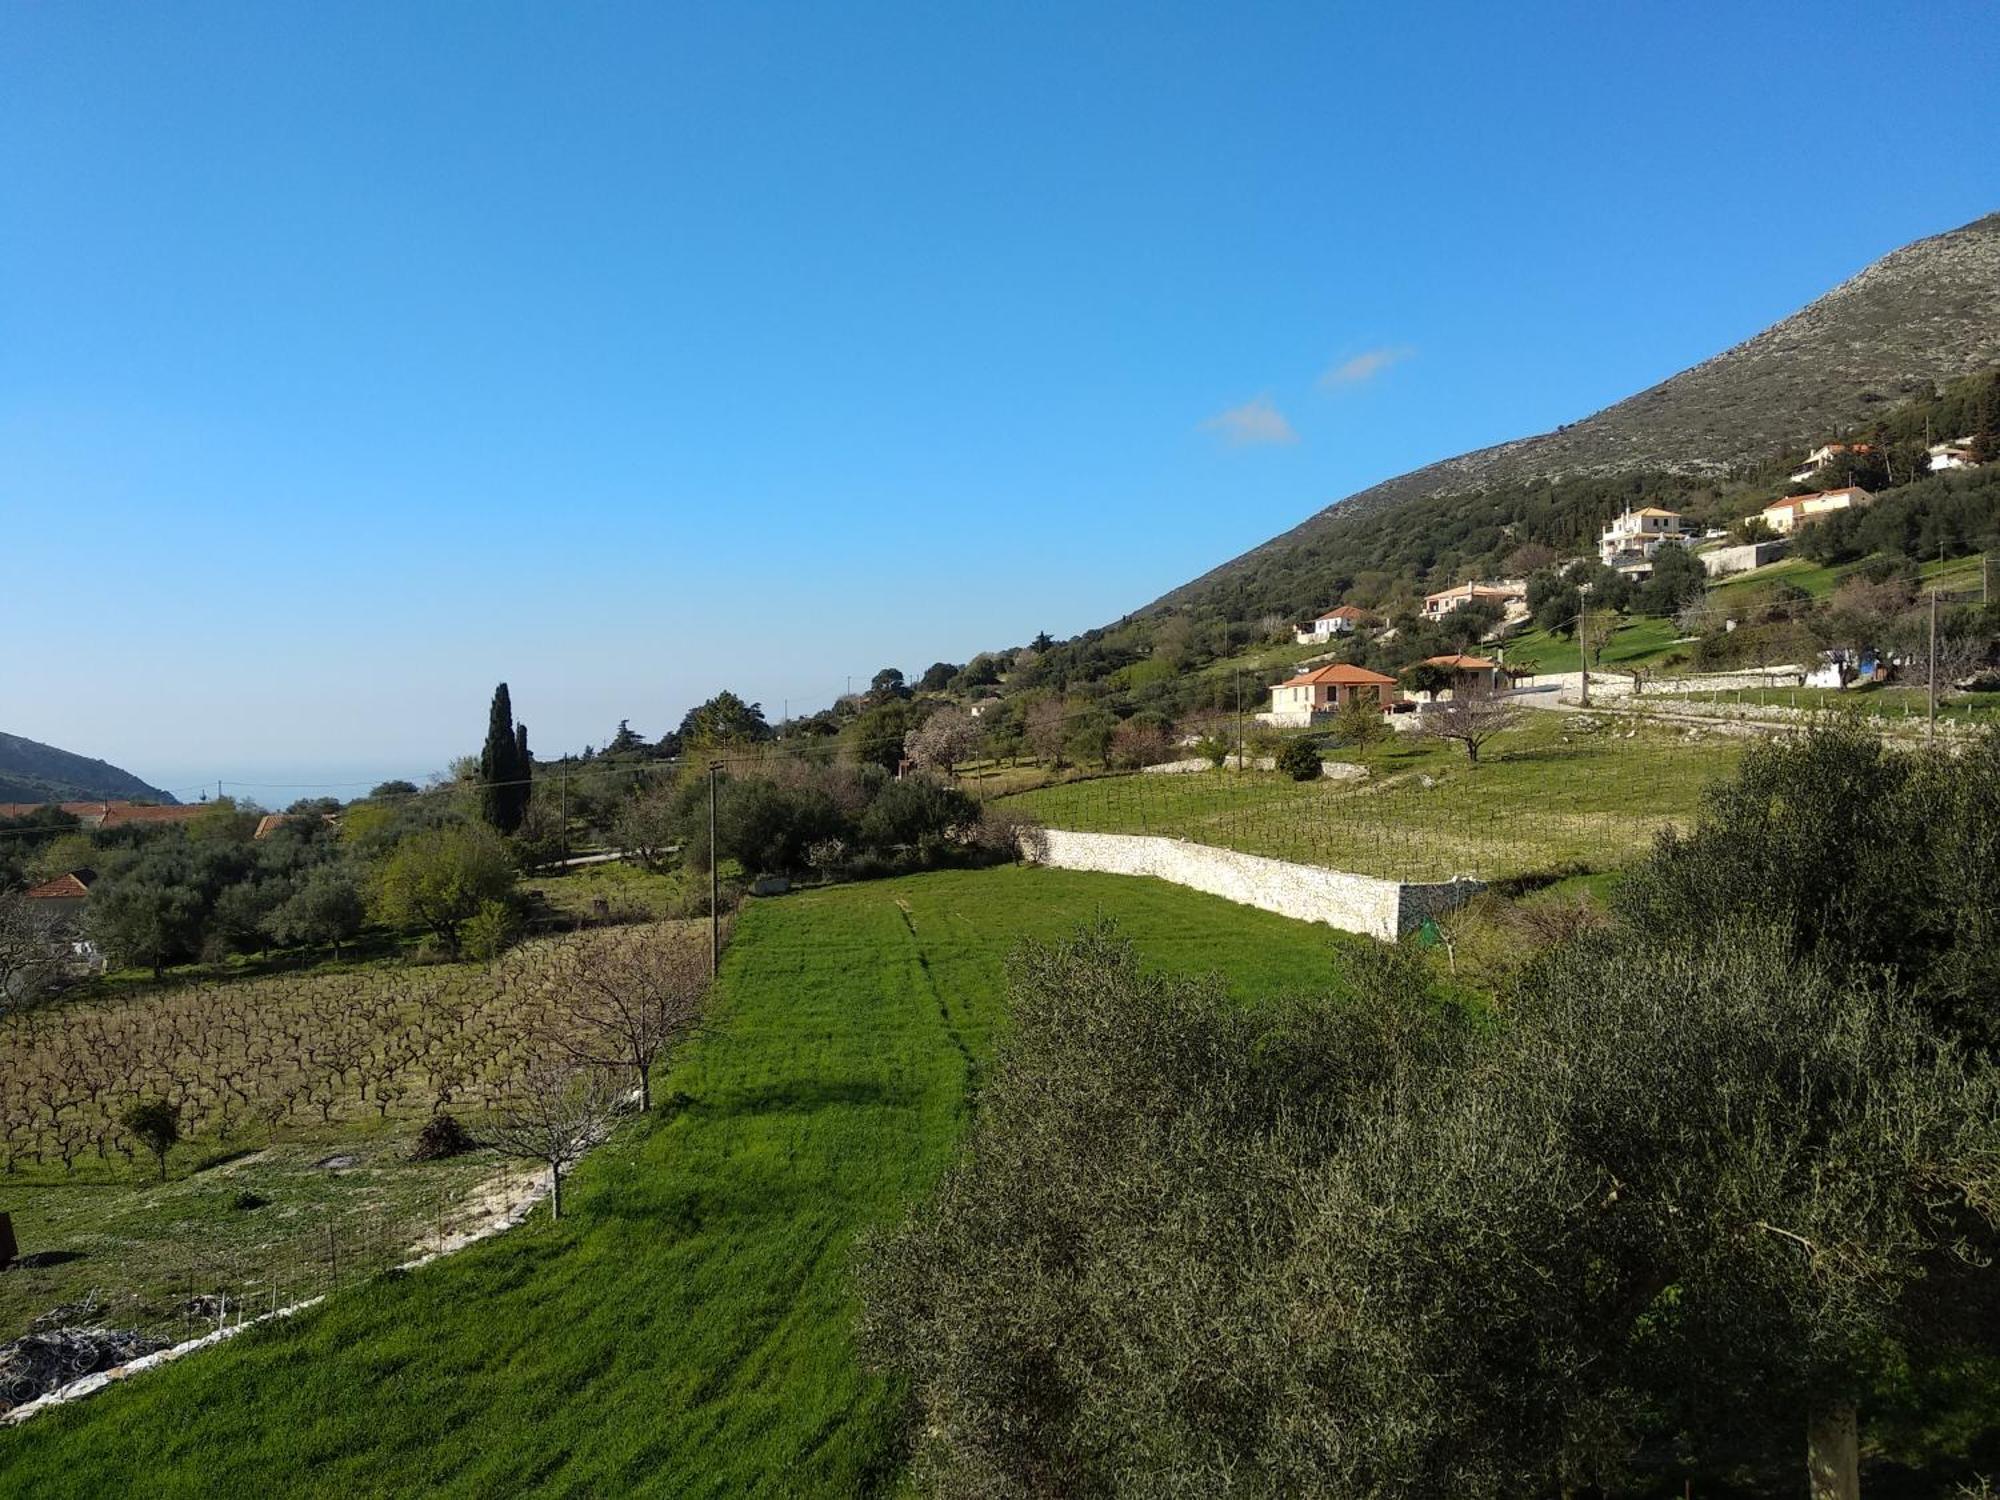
686, 1330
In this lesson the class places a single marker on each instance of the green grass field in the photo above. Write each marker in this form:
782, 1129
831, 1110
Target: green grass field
1954, 575
1559, 792
685, 1330
1636, 641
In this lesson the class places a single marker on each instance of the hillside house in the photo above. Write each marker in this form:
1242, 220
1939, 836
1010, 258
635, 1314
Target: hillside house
1470, 674
1310, 696
1825, 454
65, 896
1512, 598
1948, 456
1637, 534
1787, 515
1342, 620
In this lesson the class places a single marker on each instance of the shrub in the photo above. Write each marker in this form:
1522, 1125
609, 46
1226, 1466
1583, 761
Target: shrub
916, 813
1300, 760
441, 1136
490, 931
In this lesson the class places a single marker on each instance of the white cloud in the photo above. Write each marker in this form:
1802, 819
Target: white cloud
1365, 366
1254, 424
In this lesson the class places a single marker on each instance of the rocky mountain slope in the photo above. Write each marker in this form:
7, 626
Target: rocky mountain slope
33, 772
1926, 312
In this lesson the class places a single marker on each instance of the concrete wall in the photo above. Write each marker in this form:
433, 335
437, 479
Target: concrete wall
1354, 903
1720, 562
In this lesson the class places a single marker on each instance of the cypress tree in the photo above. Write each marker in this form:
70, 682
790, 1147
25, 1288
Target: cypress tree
524, 767
499, 766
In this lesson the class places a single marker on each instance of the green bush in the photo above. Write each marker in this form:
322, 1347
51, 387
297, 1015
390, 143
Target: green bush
490, 931
1300, 760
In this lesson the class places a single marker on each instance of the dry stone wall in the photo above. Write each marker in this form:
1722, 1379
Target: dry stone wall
1354, 903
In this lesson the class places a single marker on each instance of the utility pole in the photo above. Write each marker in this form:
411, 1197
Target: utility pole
1583, 650
1930, 728
1239, 720
564, 782
714, 880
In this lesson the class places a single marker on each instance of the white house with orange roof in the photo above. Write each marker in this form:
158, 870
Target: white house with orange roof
1511, 597
1299, 701
1787, 515
1470, 674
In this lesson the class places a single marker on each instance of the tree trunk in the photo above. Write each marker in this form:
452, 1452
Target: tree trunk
1833, 1452
555, 1198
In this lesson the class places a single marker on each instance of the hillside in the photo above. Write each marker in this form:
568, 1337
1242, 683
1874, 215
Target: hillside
33, 772
1925, 313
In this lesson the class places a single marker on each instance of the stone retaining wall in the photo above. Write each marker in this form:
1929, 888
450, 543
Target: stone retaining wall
1354, 903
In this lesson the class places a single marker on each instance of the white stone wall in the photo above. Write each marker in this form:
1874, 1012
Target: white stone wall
1354, 903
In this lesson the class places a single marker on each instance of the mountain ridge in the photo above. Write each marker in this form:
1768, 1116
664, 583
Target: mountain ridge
1925, 312
31, 771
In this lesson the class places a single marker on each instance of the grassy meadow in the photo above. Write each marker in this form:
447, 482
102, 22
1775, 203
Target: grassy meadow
685, 1329
1558, 793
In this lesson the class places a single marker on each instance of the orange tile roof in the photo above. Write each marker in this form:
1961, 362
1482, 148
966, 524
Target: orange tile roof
1346, 612
1793, 502
1339, 674
119, 814
64, 887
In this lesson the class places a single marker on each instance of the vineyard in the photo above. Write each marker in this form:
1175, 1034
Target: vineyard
1559, 793
298, 1100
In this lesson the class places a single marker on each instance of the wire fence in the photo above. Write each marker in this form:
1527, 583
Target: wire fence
225, 1286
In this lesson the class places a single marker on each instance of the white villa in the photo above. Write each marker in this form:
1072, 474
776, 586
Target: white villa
1639, 533
1956, 455
1344, 619
1825, 454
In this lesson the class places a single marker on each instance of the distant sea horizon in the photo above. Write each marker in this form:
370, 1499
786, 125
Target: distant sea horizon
276, 787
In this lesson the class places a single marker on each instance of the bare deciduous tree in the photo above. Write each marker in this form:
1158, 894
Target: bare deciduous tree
557, 1113
34, 953
1469, 719
622, 1001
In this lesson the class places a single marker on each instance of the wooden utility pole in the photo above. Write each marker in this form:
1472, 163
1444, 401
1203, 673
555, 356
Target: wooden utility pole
1930, 728
1239, 720
1583, 650
565, 809
714, 880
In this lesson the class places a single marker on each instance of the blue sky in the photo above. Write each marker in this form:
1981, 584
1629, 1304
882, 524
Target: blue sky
355, 357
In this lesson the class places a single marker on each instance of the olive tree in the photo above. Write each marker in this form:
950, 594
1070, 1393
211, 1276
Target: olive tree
439, 878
